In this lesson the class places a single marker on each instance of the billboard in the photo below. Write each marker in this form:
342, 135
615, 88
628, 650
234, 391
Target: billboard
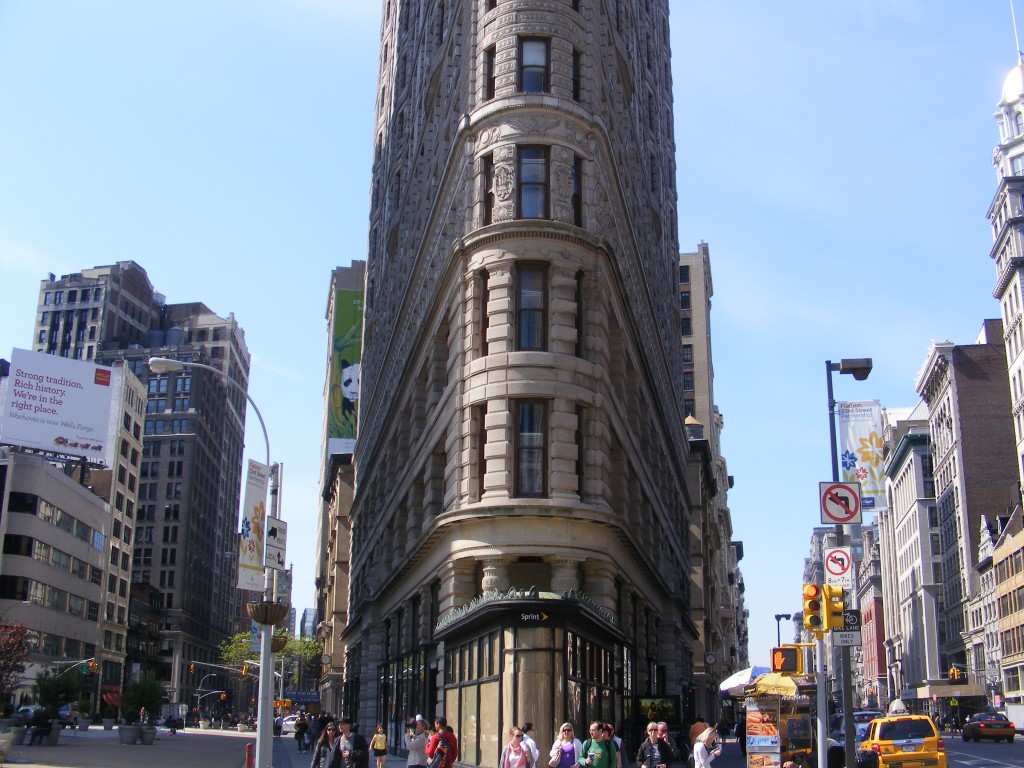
57, 404
860, 450
343, 371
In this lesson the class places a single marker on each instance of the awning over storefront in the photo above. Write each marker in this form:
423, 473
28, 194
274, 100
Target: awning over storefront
112, 699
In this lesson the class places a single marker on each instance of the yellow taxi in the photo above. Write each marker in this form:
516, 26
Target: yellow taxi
902, 741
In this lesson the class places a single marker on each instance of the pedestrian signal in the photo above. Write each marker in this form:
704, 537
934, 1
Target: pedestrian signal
787, 660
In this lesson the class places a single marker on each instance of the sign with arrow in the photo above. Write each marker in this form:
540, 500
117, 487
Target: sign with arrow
839, 567
840, 503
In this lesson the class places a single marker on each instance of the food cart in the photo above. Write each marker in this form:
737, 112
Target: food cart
779, 723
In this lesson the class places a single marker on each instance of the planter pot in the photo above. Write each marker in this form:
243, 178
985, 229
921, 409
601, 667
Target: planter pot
242, 728
19, 735
204, 725
129, 734
53, 735
83, 726
148, 735
108, 723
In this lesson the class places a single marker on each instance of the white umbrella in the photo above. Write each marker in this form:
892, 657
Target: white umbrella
737, 681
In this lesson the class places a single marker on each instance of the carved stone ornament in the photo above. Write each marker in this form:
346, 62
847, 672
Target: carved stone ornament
504, 180
530, 124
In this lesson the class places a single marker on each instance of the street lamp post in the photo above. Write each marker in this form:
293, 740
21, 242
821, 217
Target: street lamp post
859, 368
778, 625
266, 613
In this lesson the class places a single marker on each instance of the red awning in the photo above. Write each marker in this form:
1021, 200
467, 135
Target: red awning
112, 699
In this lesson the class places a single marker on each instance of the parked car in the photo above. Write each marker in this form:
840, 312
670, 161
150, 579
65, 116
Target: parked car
988, 725
899, 740
288, 724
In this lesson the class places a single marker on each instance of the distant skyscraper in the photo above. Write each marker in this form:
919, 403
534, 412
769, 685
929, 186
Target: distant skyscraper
521, 523
189, 474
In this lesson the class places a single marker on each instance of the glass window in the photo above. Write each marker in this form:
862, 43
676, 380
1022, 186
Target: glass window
488, 73
687, 353
533, 65
488, 213
531, 308
686, 326
531, 453
577, 191
533, 182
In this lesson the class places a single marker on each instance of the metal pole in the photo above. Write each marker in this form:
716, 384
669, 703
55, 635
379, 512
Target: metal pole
819, 681
846, 675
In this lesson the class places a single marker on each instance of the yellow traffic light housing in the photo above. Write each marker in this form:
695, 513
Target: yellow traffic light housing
812, 609
832, 607
192, 668
245, 670
787, 660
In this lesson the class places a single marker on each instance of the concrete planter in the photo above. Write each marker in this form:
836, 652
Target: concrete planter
148, 735
19, 735
108, 723
242, 728
129, 734
53, 735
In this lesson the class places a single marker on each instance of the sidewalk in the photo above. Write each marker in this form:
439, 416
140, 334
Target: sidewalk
286, 755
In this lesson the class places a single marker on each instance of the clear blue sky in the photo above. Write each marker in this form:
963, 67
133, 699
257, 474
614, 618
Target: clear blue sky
836, 157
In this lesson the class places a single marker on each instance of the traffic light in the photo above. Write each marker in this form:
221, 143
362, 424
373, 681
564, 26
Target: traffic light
223, 696
94, 666
832, 607
245, 670
812, 609
192, 668
787, 660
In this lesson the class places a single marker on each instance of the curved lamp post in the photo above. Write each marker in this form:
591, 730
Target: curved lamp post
778, 626
859, 368
266, 613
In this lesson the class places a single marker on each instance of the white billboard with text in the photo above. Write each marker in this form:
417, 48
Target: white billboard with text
56, 404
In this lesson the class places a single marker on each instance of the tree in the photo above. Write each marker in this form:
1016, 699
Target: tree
14, 652
53, 690
146, 693
235, 650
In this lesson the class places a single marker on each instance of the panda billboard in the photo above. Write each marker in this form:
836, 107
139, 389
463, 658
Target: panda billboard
346, 352
56, 404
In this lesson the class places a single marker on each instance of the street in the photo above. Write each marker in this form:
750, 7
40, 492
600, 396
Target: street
985, 753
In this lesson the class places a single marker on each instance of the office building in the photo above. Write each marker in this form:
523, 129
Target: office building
520, 529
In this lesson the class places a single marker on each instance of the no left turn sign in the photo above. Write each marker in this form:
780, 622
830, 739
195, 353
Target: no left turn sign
840, 503
838, 567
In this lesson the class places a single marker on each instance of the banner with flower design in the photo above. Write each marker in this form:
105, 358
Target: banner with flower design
860, 450
254, 519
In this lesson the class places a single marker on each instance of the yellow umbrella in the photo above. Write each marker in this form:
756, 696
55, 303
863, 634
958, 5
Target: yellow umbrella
776, 684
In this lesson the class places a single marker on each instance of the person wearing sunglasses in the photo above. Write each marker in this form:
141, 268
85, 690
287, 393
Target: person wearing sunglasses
566, 751
325, 751
516, 754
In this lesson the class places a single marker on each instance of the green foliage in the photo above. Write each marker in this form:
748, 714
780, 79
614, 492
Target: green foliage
306, 651
145, 692
54, 690
235, 650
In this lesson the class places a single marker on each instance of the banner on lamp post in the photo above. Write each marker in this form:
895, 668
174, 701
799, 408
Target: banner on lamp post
860, 448
254, 526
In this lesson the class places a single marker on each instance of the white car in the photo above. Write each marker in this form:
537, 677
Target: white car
288, 724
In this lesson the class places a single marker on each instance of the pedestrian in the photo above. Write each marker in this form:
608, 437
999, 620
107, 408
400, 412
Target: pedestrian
379, 745
354, 749
741, 733
325, 751
705, 748
664, 735
516, 754
528, 741
597, 751
566, 750
698, 727
609, 735
416, 743
301, 730
443, 740
654, 752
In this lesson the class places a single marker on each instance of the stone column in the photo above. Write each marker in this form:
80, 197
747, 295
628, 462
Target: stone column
495, 574
599, 583
458, 585
564, 574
